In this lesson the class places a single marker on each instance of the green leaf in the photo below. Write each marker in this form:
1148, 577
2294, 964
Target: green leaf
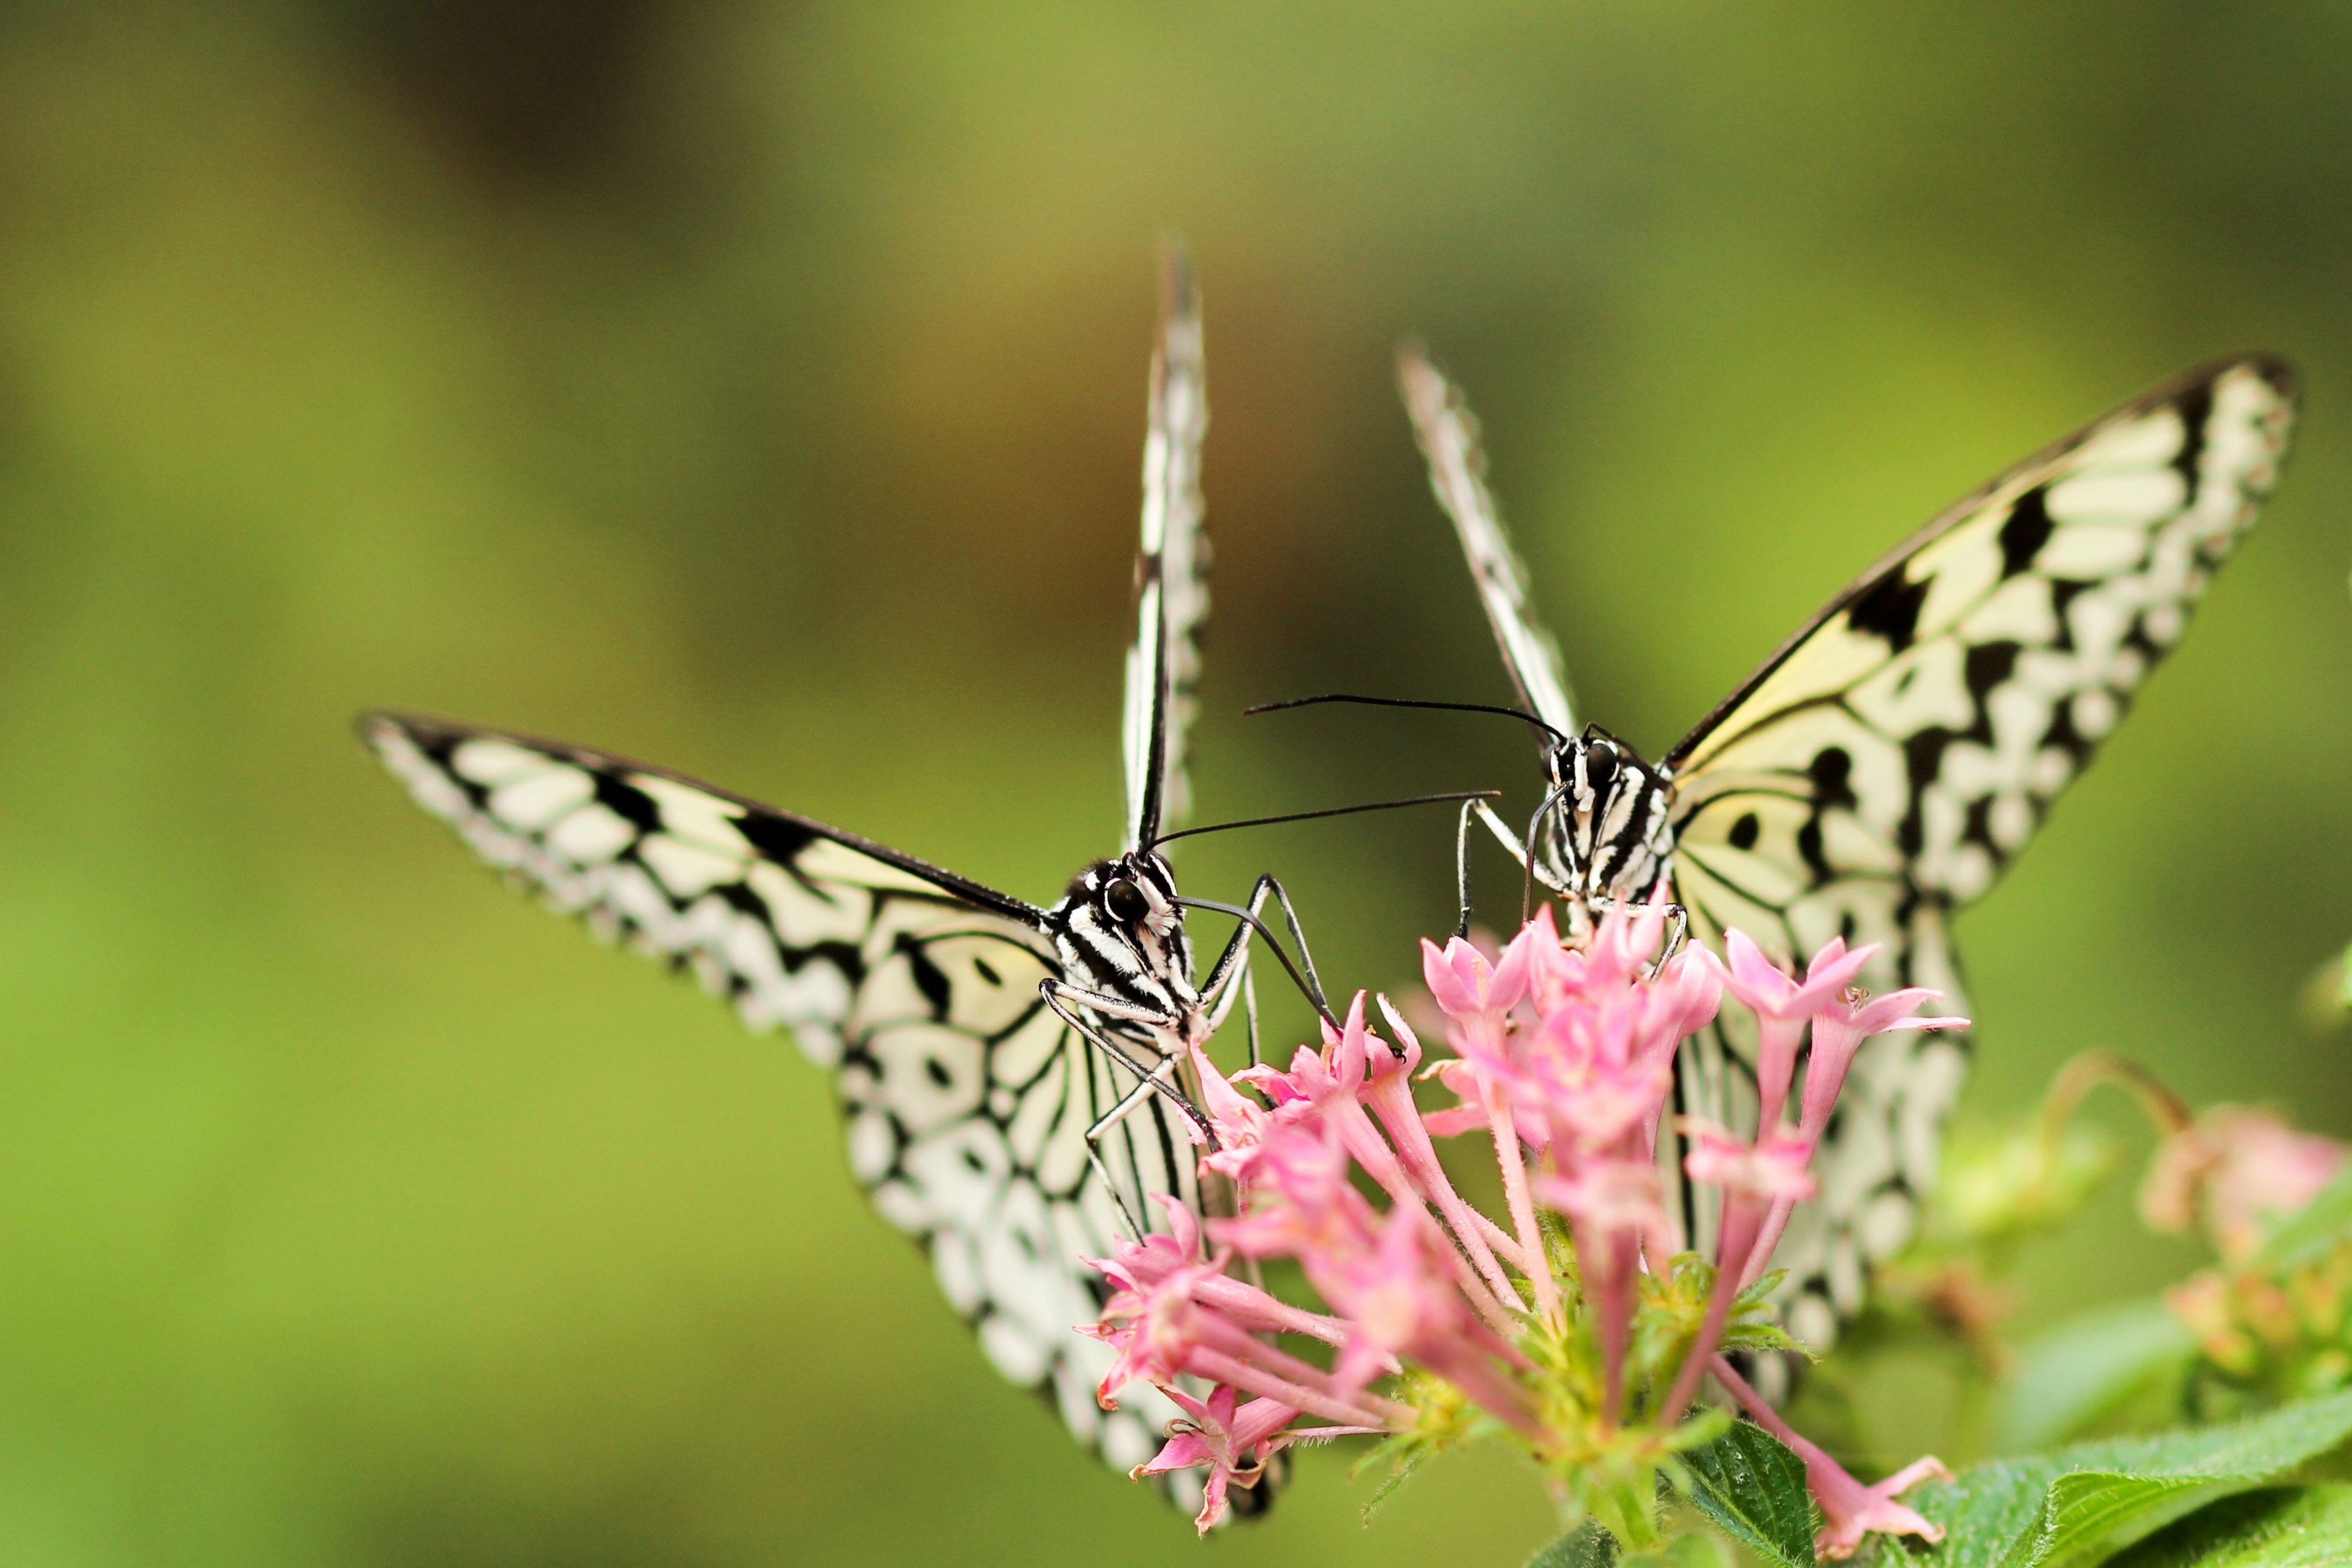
2302, 1526
1406, 1453
2085, 1367
2079, 1506
1590, 1546
1586, 1546
1695, 1549
1753, 1488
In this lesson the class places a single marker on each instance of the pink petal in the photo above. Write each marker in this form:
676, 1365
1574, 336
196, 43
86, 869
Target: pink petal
1755, 979
1454, 992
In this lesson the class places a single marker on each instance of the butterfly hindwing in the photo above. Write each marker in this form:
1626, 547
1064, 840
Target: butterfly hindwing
1884, 767
965, 1099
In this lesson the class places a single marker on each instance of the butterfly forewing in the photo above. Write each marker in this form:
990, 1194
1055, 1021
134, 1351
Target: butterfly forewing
966, 1099
1885, 766
1448, 434
1163, 666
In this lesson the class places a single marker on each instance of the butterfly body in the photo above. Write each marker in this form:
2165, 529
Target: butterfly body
1881, 769
1120, 934
1610, 839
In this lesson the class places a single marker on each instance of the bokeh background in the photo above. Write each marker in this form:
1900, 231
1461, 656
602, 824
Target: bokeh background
758, 388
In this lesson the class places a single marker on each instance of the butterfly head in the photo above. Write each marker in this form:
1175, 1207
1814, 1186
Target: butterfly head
1611, 838
1122, 932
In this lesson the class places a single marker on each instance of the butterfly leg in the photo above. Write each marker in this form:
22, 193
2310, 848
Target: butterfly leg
1064, 998
1297, 933
1245, 988
1482, 812
1228, 962
1222, 1007
1462, 868
1677, 921
1249, 1003
1110, 1121
1160, 1078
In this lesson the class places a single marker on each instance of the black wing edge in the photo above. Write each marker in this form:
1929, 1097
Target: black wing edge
440, 733
2273, 368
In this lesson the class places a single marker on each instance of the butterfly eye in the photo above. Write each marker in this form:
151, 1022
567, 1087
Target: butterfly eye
1600, 766
1125, 901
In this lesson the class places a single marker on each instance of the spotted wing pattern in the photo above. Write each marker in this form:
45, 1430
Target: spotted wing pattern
966, 1099
1164, 667
1448, 434
1884, 767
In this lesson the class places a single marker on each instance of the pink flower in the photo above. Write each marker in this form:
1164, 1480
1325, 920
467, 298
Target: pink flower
1770, 1169
1615, 1209
1577, 1095
1612, 1197
2240, 1170
1783, 1007
1237, 1125
1392, 1296
1464, 985
1155, 1287
1172, 1335
1564, 1060
1555, 971
1402, 1303
1689, 987
1840, 1025
1171, 1304
1597, 1068
1851, 1510
1139, 1265
1467, 1117
1232, 1444
1332, 1099
1305, 1200
1761, 1183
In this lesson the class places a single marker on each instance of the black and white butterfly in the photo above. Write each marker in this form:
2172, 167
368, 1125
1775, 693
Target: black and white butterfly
1886, 764
1013, 1075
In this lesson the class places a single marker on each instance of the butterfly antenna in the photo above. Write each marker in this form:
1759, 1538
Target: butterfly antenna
1362, 701
1328, 811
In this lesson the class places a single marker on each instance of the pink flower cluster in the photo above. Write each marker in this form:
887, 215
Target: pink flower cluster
1563, 1058
2236, 1171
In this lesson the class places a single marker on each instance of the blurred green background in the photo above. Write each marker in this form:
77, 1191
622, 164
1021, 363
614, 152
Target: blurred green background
758, 388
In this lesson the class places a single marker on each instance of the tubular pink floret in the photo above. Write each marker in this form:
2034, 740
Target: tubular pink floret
1851, 1509
1233, 1445
1783, 1007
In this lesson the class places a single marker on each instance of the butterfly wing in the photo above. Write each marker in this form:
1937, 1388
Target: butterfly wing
966, 1099
1883, 768
1448, 434
1172, 565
